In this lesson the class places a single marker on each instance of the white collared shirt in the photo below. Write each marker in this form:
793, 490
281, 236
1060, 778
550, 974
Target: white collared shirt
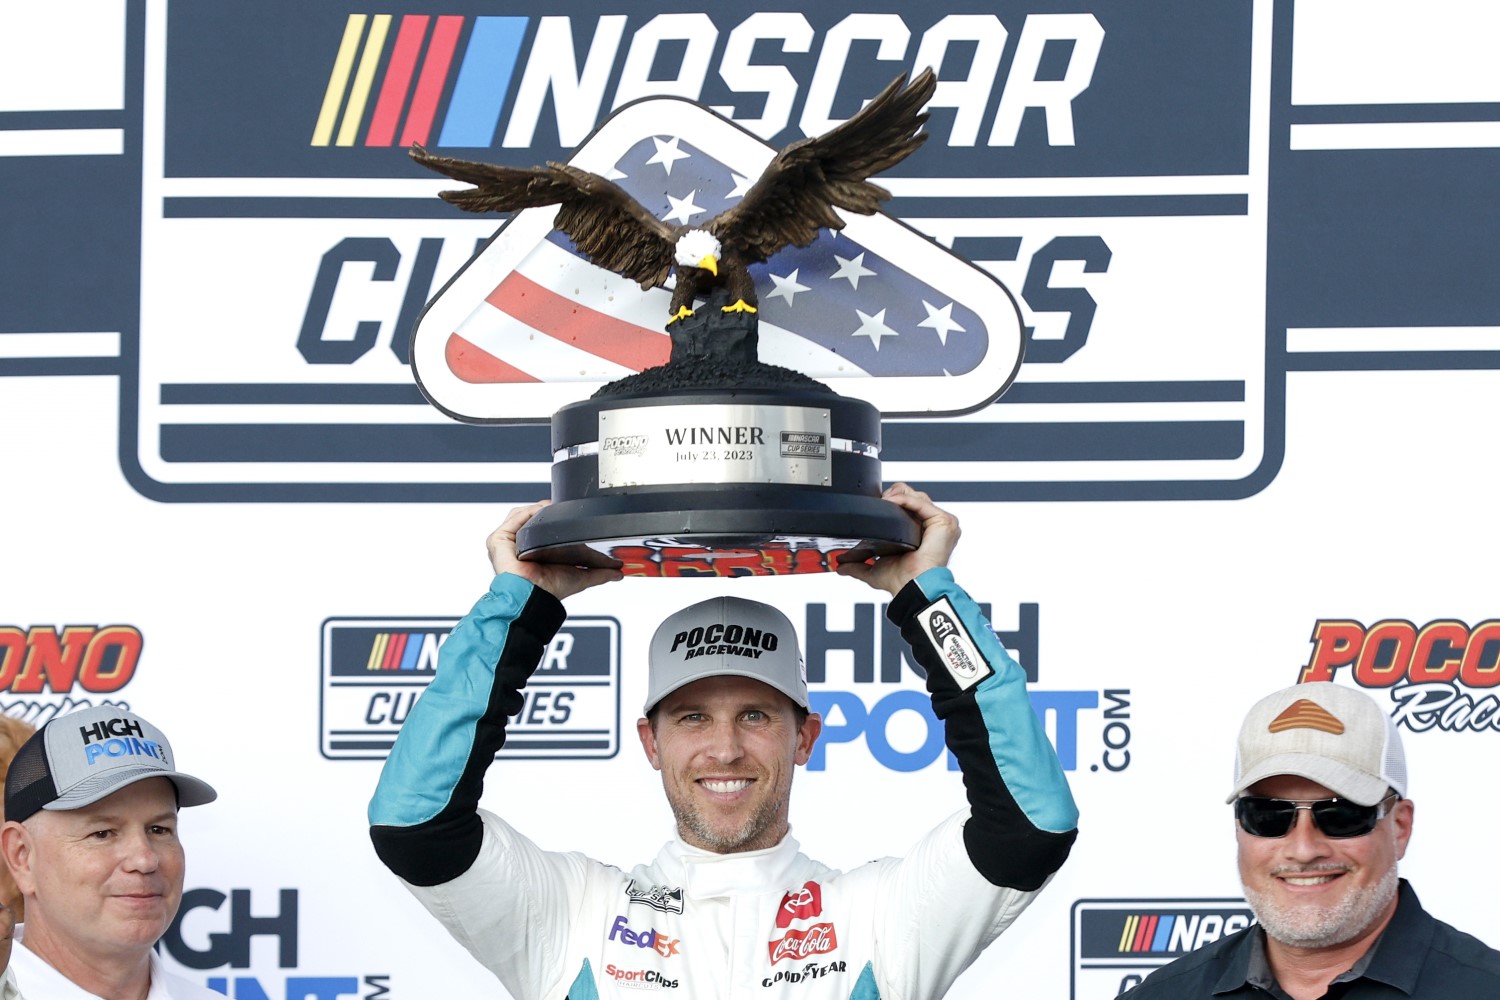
30, 977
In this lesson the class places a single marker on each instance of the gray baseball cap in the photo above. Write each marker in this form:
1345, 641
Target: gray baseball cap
79, 758
726, 636
1324, 732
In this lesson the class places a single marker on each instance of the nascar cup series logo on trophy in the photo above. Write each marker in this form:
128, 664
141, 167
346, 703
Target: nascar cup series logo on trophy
710, 282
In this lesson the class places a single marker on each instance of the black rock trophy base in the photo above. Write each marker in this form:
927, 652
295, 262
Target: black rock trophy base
716, 464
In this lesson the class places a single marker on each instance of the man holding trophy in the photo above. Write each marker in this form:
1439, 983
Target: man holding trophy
730, 904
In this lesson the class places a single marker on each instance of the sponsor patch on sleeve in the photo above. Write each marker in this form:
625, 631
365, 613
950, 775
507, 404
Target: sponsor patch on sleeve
954, 644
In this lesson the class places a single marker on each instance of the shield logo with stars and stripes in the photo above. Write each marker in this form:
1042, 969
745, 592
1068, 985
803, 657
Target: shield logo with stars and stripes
877, 311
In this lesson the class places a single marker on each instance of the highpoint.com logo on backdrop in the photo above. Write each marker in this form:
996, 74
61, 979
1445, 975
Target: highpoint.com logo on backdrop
1443, 675
213, 931
1116, 943
868, 690
47, 670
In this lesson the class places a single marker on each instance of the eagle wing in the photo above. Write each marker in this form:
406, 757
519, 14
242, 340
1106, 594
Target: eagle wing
796, 195
607, 225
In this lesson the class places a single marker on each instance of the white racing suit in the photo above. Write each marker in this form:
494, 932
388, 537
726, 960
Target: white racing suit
699, 926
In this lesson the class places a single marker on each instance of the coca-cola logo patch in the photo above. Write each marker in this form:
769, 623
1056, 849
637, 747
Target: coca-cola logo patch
800, 904
818, 939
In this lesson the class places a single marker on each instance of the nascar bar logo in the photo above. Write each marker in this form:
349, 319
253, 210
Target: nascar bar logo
1442, 675
374, 670
418, 58
1118, 942
530, 325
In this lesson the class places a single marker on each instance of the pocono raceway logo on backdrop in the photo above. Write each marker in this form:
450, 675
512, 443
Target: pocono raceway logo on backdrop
1116, 943
374, 669
213, 930
47, 670
1443, 675
863, 682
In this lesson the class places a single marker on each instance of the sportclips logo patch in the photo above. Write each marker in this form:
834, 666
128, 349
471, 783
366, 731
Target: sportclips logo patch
375, 669
1116, 943
46, 671
1442, 675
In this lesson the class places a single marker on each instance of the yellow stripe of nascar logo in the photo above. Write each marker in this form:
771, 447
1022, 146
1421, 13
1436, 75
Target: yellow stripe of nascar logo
338, 79
364, 78
377, 650
1127, 937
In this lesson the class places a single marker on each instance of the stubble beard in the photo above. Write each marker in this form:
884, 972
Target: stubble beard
1323, 927
695, 828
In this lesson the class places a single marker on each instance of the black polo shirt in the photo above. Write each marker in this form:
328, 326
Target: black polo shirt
1417, 956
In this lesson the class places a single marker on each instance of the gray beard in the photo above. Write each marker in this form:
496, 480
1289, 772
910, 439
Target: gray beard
1319, 927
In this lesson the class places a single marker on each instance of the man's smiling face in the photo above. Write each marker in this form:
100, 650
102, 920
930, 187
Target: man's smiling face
727, 748
1309, 890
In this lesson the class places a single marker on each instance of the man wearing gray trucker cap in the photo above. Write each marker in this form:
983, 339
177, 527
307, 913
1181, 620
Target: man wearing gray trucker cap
1322, 819
730, 906
90, 835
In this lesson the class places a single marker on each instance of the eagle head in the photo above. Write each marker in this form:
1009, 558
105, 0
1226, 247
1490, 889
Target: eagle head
699, 248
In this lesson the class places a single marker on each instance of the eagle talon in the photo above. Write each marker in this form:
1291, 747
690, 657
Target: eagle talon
683, 312
740, 306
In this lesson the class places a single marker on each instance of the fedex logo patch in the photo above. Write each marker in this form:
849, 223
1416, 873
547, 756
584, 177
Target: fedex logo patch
653, 939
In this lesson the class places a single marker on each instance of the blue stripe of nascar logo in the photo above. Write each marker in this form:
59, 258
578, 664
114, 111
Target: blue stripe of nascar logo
1025, 759
438, 736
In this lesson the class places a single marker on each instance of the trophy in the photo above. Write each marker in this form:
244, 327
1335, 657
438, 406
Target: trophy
715, 460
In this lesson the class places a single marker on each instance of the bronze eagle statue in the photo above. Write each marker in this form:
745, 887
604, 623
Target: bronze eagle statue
794, 197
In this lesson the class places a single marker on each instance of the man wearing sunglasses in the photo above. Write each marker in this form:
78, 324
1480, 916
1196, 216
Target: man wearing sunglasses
1321, 820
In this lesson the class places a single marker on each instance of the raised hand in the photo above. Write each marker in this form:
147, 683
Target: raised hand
940, 533
560, 581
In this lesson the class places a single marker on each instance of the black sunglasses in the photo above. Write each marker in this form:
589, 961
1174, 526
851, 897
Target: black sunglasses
1338, 818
